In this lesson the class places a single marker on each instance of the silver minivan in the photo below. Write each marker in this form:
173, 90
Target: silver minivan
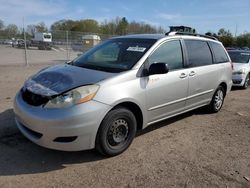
103, 97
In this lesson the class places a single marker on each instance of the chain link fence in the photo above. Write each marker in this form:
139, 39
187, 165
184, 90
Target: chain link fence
65, 46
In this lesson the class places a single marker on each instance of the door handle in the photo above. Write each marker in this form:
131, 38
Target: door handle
183, 75
192, 73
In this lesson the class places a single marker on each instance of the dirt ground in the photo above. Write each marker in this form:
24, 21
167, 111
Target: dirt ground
16, 56
192, 150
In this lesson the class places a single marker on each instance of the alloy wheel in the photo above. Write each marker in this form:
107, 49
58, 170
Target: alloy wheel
218, 100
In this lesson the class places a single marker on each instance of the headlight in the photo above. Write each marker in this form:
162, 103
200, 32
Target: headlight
241, 71
73, 97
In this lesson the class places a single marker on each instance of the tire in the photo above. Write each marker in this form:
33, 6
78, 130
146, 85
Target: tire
217, 100
116, 132
246, 82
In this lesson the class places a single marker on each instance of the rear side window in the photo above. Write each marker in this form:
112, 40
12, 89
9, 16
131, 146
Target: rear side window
219, 53
169, 53
199, 53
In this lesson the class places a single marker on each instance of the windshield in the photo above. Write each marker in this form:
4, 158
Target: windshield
114, 55
47, 36
239, 57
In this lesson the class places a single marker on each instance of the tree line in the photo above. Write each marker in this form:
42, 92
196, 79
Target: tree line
228, 40
116, 26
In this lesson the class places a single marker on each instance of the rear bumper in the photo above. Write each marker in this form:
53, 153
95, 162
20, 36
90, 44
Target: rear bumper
68, 129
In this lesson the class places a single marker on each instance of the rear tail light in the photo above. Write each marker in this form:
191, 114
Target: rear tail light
232, 65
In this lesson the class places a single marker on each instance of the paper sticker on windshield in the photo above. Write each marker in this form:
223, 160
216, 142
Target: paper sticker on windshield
245, 54
136, 49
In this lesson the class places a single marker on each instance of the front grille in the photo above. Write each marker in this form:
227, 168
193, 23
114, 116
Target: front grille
34, 99
65, 139
237, 81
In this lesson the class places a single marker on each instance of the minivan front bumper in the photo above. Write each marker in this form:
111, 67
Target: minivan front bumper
69, 129
238, 79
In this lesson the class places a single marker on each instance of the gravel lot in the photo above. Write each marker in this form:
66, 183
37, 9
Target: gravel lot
192, 150
16, 56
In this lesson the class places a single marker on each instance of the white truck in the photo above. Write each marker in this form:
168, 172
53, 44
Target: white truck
42, 40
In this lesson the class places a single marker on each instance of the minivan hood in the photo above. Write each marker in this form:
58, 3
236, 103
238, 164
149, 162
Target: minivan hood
58, 79
238, 66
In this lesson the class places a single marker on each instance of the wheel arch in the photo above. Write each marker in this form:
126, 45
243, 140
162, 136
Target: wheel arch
135, 109
224, 85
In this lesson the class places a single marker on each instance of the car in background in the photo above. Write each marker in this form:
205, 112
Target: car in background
8, 42
241, 72
245, 48
20, 43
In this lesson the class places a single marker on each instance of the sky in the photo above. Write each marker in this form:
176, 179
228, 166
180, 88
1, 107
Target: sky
204, 16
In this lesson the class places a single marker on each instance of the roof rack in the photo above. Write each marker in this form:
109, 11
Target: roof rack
190, 34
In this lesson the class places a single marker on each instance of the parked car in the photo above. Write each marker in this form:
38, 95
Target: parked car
245, 48
20, 43
241, 62
8, 42
103, 97
15, 43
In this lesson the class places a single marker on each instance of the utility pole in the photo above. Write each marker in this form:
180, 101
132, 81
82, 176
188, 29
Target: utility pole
67, 44
25, 47
236, 30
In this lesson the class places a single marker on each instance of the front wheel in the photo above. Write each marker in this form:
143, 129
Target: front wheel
217, 100
116, 132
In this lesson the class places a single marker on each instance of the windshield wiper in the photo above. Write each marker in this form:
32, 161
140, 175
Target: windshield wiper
100, 68
69, 62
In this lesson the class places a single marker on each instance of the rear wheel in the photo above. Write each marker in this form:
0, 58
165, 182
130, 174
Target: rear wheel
116, 132
217, 100
246, 82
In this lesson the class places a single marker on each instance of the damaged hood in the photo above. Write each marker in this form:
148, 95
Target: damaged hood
61, 78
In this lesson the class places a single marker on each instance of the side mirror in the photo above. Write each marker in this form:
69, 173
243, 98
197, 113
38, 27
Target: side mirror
158, 68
